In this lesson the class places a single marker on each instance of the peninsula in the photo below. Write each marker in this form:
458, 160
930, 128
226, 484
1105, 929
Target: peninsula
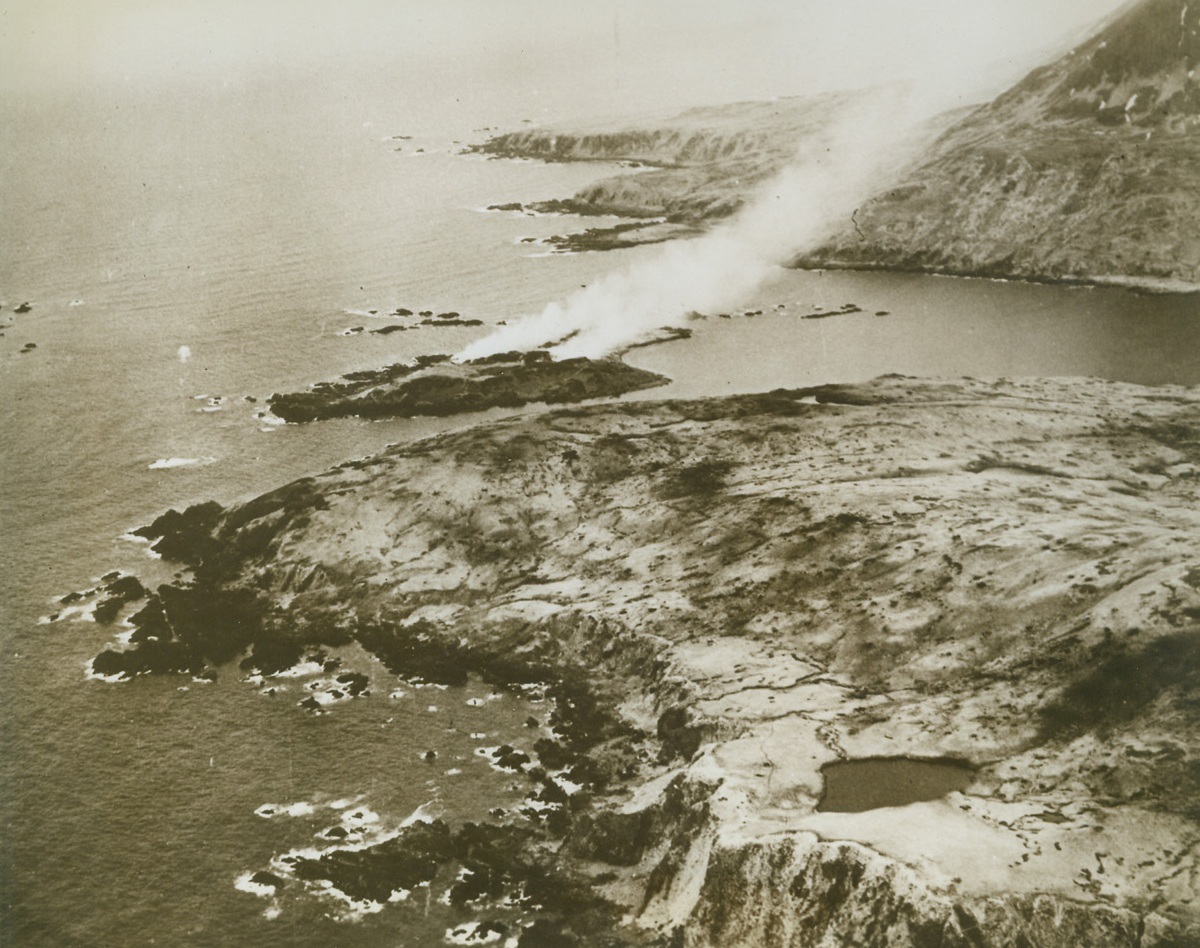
734, 603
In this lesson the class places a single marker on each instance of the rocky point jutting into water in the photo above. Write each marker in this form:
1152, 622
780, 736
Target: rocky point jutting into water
694, 168
728, 599
1086, 170
434, 385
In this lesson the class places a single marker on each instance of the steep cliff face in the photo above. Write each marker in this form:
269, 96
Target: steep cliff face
1089, 167
799, 890
727, 596
1138, 70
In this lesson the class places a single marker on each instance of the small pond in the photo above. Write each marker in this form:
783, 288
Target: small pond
852, 786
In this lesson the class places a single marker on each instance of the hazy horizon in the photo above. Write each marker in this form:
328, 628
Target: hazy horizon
662, 53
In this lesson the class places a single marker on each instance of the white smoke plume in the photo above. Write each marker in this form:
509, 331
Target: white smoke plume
832, 174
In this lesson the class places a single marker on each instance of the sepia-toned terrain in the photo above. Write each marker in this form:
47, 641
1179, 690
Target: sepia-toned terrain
723, 597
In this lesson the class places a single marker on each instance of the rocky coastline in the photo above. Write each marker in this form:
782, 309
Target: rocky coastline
1083, 172
435, 385
725, 597
690, 170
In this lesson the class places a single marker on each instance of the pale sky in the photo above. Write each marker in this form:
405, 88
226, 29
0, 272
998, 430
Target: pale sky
708, 50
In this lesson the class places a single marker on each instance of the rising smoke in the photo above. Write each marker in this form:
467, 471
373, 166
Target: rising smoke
832, 174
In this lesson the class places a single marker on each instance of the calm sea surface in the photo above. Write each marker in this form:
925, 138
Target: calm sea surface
180, 260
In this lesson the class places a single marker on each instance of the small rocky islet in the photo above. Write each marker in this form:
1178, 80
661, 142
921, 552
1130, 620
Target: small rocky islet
724, 600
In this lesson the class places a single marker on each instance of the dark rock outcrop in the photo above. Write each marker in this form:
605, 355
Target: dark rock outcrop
118, 593
443, 388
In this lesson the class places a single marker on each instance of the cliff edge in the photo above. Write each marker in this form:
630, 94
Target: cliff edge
1088, 169
691, 169
729, 598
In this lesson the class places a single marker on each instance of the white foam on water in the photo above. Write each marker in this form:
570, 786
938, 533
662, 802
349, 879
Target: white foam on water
245, 883
300, 670
164, 464
84, 613
569, 787
422, 814
282, 864
356, 909
269, 810
360, 817
132, 537
185, 353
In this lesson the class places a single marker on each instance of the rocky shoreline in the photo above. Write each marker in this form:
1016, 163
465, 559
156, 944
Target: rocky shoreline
724, 597
1146, 285
1083, 172
434, 385
693, 169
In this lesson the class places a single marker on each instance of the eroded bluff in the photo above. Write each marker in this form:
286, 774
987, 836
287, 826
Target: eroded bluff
727, 595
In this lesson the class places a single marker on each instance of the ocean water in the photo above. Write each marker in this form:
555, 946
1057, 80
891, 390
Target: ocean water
179, 264
185, 253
